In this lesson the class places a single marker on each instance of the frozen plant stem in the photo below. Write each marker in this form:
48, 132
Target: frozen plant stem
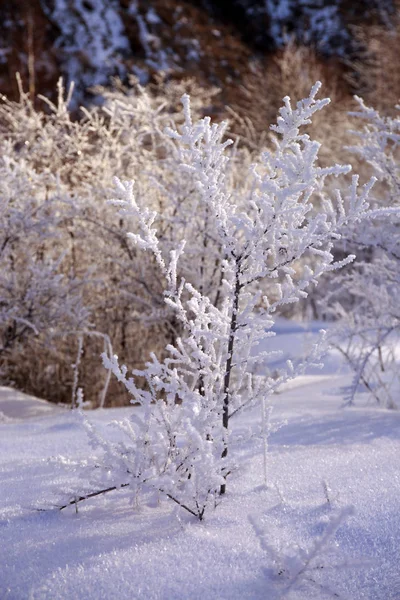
74, 501
228, 369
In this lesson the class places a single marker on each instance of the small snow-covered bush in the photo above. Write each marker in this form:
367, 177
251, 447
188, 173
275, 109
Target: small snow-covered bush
267, 243
367, 295
300, 567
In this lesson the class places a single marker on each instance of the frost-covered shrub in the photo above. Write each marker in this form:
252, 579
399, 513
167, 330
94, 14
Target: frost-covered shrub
73, 162
177, 441
367, 296
39, 294
299, 567
42, 293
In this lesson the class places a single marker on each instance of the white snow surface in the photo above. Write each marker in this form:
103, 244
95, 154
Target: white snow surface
17, 406
246, 547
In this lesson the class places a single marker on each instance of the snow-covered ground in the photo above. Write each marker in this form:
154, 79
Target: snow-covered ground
257, 541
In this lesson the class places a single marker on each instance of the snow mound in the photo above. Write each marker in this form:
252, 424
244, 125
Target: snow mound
17, 406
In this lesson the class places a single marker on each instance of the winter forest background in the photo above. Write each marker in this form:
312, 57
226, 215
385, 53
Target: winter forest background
207, 193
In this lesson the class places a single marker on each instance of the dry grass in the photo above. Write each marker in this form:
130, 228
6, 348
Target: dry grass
376, 75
